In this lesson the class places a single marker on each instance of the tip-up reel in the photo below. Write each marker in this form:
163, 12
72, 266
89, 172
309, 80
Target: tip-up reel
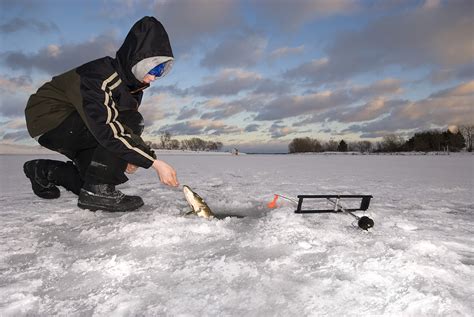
363, 222
358, 202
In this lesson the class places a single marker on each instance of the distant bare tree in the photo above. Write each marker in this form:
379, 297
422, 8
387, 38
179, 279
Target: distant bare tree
365, 146
331, 146
316, 145
301, 145
174, 144
392, 143
185, 145
196, 144
213, 146
352, 146
467, 132
304, 145
165, 139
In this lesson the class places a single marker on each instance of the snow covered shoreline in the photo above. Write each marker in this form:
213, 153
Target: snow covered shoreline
15, 149
417, 261
388, 153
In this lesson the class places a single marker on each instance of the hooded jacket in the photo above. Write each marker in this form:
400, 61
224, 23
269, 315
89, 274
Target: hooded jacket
101, 89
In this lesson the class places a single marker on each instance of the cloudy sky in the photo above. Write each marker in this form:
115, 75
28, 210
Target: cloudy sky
257, 74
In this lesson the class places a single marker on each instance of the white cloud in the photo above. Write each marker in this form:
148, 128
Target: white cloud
53, 50
309, 70
240, 50
189, 22
337, 102
228, 82
278, 131
292, 106
55, 59
431, 4
369, 111
199, 127
15, 84
289, 15
414, 38
285, 51
383, 87
448, 107
19, 24
464, 89
14, 124
158, 107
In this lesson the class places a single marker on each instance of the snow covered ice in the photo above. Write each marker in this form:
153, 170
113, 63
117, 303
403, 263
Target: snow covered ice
417, 261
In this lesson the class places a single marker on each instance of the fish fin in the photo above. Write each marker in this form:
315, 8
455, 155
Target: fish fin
192, 212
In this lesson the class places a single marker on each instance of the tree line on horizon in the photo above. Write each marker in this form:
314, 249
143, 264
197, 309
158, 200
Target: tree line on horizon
193, 144
425, 141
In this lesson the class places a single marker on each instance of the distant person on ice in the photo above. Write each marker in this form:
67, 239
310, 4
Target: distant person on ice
90, 114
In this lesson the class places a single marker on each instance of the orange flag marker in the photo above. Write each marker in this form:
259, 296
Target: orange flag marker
272, 204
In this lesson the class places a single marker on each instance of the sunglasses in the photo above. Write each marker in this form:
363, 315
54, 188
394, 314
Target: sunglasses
158, 70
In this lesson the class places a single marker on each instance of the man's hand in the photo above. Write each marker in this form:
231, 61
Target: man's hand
166, 173
131, 168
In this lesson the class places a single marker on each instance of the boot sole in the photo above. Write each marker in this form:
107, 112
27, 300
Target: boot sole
93, 207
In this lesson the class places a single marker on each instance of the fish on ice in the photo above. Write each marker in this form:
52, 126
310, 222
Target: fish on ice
200, 208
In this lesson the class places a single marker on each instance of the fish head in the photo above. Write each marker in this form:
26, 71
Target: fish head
197, 203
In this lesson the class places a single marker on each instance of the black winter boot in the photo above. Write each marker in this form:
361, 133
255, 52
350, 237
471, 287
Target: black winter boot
106, 197
39, 172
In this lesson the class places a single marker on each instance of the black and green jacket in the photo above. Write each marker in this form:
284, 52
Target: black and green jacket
100, 90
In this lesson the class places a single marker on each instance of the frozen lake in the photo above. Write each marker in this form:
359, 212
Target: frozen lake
417, 261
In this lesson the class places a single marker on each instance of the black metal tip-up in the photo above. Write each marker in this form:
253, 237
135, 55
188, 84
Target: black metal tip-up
363, 202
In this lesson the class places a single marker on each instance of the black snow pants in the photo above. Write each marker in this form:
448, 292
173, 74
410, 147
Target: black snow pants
90, 162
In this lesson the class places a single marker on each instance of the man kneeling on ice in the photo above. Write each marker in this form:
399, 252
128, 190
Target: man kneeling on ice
90, 114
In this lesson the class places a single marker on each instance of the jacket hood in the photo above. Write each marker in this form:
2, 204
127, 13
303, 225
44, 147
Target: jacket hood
142, 68
147, 38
